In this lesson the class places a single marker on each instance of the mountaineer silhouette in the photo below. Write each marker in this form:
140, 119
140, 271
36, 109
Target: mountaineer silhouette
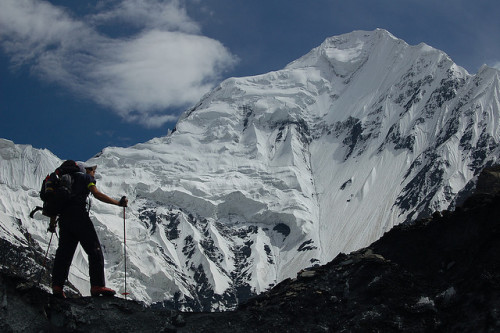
75, 226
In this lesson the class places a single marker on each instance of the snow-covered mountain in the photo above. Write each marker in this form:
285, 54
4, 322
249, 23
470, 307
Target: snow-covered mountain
273, 173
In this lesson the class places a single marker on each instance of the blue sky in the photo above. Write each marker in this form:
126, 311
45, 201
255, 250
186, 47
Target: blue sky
78, 76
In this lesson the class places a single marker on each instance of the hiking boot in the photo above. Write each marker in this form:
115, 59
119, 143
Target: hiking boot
101, 291
58, 292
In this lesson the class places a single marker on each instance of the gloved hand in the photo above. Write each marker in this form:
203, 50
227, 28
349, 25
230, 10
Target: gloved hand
123, 202
52, 225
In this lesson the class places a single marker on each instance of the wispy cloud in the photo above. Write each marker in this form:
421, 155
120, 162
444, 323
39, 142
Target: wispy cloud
496, 65
154, 14
164, 64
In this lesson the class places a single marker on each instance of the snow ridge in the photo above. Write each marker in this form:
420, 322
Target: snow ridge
273, 173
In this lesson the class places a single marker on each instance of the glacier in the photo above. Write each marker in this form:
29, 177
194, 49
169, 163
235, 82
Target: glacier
270, 174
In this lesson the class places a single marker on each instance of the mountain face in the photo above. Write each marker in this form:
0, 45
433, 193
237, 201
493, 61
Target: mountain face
274, 173
439, 274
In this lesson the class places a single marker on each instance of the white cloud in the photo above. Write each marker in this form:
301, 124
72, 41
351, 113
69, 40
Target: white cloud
166, 65
166, 15
496, 65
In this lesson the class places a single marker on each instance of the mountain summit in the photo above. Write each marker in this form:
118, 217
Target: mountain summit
274, 173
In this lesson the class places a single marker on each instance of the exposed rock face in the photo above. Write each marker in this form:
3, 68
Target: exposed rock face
440, 274
489, 180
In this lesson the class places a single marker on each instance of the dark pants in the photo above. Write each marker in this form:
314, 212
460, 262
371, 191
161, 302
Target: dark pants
76, 227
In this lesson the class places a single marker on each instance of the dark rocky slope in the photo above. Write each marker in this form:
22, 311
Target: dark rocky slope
440, 274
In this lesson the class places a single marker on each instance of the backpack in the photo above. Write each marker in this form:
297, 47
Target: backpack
56, 189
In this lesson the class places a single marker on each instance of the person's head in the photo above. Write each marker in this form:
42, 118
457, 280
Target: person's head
91, 170
87, 168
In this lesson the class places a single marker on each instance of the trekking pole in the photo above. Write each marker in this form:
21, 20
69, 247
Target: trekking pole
125, 253
44, 260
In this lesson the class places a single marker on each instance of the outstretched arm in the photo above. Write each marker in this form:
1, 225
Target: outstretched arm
104, 198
